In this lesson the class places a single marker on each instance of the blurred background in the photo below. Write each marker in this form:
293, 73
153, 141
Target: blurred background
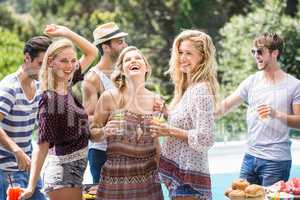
152, 26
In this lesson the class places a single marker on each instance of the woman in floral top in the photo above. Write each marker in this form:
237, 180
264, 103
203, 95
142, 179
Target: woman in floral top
183, 163
63, 124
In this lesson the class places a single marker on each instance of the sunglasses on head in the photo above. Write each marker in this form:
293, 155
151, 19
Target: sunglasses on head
257, 51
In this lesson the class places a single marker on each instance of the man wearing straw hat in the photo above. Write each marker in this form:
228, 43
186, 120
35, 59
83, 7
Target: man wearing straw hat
19, 98
110, 41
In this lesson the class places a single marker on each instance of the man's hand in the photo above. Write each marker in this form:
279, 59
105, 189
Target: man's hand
265, 111
23, 160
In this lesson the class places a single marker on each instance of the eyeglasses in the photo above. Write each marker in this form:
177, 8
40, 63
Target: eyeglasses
257, 51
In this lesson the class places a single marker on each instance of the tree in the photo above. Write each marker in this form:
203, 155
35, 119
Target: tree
291, 7
22, 24
11, 52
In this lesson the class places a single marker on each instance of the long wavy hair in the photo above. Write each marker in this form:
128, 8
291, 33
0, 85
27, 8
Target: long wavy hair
118, 77
47, 78
206, 71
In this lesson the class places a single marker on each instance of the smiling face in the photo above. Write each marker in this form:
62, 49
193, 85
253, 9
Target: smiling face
32, 67
189, 56
64, 64
134, 64
264, 57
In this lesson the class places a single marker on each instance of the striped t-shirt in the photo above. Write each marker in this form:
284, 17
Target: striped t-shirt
19, 120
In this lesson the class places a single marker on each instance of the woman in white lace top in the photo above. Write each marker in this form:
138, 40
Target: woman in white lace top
184, 163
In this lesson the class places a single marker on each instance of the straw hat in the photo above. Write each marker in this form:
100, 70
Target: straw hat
107, 32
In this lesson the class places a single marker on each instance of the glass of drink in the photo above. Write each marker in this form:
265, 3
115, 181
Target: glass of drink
14, 193
158, 118
120, 116
264, 118
262, 113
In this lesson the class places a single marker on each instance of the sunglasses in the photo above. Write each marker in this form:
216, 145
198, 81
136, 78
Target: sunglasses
257, 51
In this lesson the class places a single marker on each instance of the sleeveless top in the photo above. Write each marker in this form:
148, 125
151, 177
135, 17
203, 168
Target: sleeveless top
107, 84
130, 171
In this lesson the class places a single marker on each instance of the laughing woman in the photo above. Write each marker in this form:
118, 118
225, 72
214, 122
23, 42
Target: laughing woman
63, 124
122, 117
184, 164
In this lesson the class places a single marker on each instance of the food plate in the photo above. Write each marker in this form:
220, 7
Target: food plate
273, 194
282, 196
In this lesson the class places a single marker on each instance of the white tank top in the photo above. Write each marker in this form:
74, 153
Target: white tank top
107, 84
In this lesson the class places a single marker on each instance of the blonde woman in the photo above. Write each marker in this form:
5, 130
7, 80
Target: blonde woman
63, 124
123, 117
184, 164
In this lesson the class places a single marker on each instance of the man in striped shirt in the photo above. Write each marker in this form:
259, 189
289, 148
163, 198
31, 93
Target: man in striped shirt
19, 98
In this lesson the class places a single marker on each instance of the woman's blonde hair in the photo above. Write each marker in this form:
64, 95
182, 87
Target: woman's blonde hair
47, 75
118, 76
206, 71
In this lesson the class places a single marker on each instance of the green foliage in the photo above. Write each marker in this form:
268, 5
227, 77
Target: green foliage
79, 15
152, 26
6, 16
209, 16
11, 52
236, 62
22, 24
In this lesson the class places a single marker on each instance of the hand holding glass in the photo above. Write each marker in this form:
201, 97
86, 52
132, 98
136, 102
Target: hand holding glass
264, 112
14, 193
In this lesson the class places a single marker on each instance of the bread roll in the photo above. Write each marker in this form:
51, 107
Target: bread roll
254, 191
226, 193
240, 184
237, 195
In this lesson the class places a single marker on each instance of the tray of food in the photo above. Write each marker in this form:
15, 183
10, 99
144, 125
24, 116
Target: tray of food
285, 190
241, 189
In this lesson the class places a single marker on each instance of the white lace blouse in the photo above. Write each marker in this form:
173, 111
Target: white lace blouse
194, 113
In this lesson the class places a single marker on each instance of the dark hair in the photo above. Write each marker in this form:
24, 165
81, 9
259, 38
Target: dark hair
99, 46
36, 45
272, 41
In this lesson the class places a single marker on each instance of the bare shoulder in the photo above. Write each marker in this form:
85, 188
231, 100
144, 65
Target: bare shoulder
92, 77
110, 97
110, 94
91, 82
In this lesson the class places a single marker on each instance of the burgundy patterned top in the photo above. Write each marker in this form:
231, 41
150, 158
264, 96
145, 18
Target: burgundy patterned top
63, 122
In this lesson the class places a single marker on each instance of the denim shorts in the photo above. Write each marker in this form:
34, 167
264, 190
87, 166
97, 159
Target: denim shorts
264, 172
19, 178
185, 191
59, 175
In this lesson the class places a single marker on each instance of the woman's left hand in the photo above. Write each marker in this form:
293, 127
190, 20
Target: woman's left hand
160, 106
159, 129
54, 30
26, 193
